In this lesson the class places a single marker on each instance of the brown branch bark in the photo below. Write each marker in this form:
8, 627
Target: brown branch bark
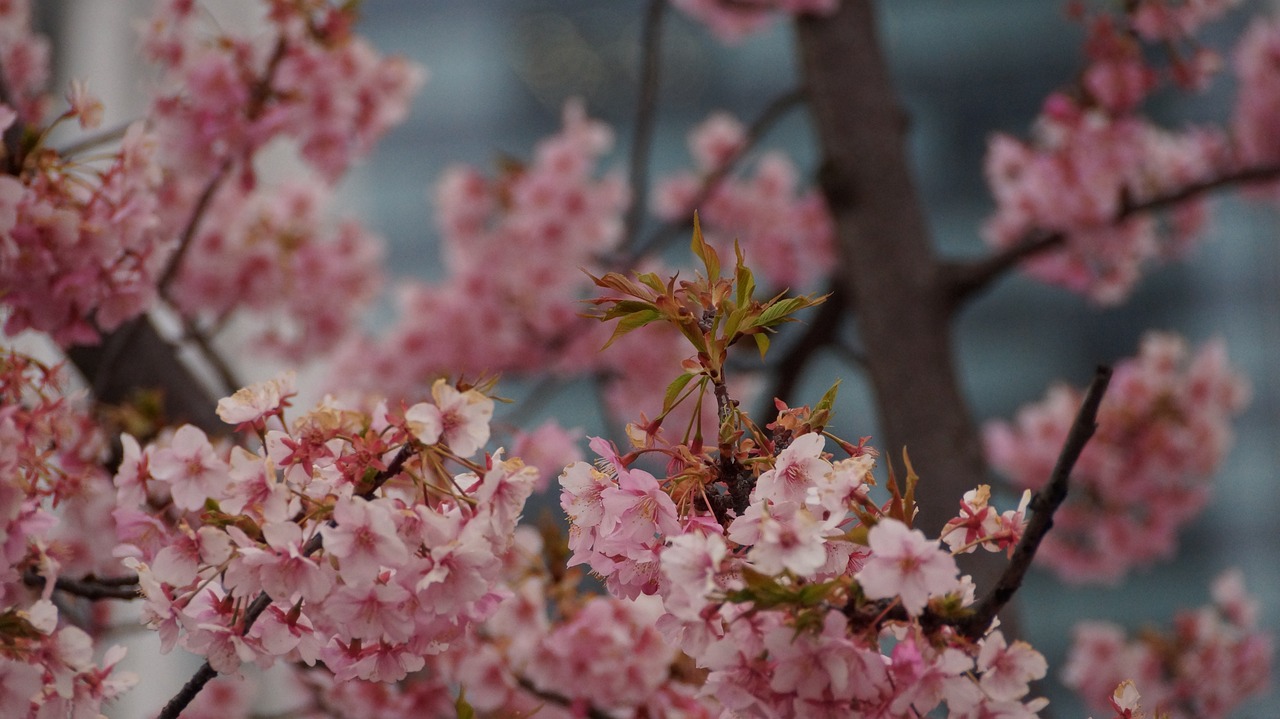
125, 588
136, 357
888, 267
558, 699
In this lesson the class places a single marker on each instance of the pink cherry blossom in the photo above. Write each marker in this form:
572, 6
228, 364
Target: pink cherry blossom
191, 467
798, 467
549, 448
464, 417
1205, 665
731, 22
1162, 432
364, 539
85, 106
251, 405
904, 564
1007, 669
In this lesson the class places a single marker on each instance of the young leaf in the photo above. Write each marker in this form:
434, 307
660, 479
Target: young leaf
673, 390
462, 706
780, 311
828, 398
633, 321
705, 252
762, 343
745, 281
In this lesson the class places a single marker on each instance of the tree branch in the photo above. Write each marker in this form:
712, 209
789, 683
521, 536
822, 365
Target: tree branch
1043, 506
226, 375
769, 116
646, 112
88, 588
152, 362
968, 278
557, 698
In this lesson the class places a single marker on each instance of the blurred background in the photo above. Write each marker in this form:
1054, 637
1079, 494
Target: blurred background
500, 72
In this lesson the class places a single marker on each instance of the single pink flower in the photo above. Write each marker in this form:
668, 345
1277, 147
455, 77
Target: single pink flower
192, 469
252, 405
903, 563
364, 539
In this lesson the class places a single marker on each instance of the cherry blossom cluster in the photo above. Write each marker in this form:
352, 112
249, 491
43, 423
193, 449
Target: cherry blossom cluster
1093, 165
552, 213
548, 649
1254, 117
81, 241
733, 20
24, 57
786, 232
222, 98
275, 253
1162, 434
84, 243
54, 497
364, 541
786, 612
550, 645
1212, 660
777, 572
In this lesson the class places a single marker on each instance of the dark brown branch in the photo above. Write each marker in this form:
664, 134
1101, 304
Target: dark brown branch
88, 588
969, 278
557, 698
12, 138
1043, 505
136, 356
772, 113
646, 112
188, 692
260, 603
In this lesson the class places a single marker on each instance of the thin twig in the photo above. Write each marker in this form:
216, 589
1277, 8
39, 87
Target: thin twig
646, 112
970, 277
557, 698
1043, 505
772, 113
103, 137
258, 96
193, 224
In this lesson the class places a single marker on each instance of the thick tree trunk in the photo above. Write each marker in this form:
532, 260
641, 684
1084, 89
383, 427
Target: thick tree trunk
887, 262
